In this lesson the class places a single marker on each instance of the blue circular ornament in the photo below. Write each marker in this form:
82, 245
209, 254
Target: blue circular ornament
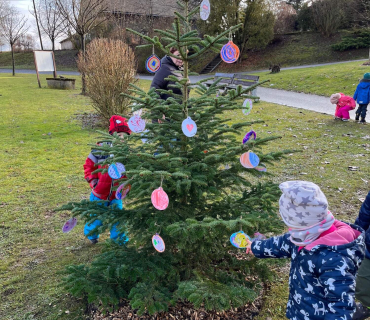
153, 63
115, 170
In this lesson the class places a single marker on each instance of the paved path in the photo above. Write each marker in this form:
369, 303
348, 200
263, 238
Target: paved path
287, 98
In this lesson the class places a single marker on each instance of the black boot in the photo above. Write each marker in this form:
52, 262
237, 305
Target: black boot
363, 121
357, 117
361, 312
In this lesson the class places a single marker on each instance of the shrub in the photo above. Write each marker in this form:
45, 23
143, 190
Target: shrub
355, 40
109, 67
328, 16
305, 18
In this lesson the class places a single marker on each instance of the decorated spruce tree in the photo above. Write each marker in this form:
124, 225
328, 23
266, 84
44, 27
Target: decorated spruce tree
210, 194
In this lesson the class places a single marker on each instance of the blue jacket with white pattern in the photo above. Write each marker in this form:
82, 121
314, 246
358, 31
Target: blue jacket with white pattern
321, 280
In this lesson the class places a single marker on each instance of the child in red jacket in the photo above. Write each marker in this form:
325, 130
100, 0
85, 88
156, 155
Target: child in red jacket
344, 105
102, 184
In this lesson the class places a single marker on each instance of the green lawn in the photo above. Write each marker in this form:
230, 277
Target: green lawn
44, 148
324, 80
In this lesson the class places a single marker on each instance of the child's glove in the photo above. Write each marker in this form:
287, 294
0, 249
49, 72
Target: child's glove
249, 247
93, 183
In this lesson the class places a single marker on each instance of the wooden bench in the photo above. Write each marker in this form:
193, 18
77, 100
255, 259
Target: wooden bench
245, 80
232, 80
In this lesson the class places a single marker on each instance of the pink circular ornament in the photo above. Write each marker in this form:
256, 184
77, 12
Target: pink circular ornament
249, 160
158, 243
69, 225
136, 124
122, 191
189, 127
160, 199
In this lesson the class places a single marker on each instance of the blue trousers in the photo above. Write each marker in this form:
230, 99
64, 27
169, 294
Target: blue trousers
114, 233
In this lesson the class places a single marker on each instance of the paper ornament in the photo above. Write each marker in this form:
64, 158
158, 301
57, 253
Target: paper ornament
189, 127
69, 225
249, 160
230, 52
239, 239
250, 135
153, 64
259, 236
122, 191
158, 243
248, 105
115, 170
205, 9
261, 168
160, 199
136, 124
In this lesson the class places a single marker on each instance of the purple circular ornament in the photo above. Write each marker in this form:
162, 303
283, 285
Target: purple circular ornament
250, 134
69, 225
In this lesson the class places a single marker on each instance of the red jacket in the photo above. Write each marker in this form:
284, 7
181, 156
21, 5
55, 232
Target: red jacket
103, 188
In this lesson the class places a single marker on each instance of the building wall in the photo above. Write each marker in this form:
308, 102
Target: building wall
66, 45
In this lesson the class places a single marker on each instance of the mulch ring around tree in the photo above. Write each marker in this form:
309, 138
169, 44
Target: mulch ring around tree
182, 310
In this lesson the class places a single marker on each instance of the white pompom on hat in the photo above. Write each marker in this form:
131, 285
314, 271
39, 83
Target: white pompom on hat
334, 98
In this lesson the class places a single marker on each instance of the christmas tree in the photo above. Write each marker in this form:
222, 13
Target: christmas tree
211, 195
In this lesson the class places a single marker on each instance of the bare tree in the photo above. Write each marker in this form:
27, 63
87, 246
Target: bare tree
50, 18
83, 15
12, 27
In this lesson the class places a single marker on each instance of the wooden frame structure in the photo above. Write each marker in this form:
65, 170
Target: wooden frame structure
47, 66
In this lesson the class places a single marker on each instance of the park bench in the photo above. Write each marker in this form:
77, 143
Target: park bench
232, 80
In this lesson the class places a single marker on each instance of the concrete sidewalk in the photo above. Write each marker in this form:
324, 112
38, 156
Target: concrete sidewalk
287, 98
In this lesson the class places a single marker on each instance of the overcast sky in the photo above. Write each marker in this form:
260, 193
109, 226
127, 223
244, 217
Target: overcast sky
24, 7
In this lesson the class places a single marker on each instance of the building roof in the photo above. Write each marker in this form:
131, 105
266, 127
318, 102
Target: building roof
164, 8
65, 40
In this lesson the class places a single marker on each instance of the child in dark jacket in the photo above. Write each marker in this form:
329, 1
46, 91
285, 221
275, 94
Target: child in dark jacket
325, 254
102, 184
362, 96
363, 277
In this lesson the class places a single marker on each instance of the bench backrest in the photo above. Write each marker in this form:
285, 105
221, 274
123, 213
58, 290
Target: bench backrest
244, 83
246, 77
226, 77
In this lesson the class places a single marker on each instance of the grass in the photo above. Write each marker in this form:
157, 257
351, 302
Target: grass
65, 60
294, 50
44, 148
324, 80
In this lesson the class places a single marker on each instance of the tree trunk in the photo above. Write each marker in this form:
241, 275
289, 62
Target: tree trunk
83, 56
13, 62
53, 44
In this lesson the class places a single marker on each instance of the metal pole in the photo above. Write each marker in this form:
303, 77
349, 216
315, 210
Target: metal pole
37, 22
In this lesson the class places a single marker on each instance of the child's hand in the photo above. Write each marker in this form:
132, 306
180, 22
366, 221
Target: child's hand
249, 247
